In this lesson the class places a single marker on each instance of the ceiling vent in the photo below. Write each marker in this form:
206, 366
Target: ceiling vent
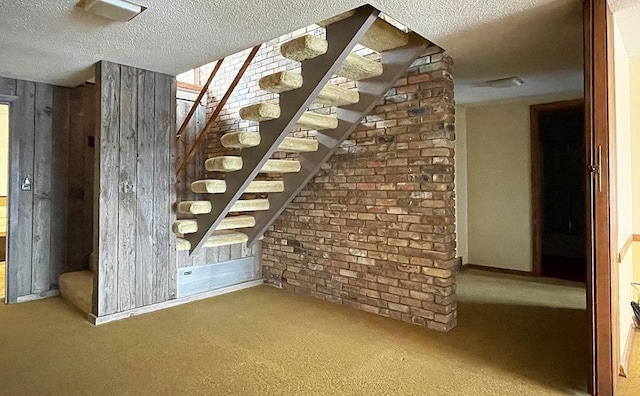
508, 82
118, 10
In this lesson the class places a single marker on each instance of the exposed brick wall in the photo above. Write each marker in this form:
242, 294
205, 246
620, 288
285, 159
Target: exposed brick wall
374, 230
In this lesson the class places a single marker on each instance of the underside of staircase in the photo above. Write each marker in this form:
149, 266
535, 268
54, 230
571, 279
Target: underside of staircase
230, 216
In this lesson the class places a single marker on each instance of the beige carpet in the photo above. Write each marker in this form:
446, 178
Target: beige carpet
268, 341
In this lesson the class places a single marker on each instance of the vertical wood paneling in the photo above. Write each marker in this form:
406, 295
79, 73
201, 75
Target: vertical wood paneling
7, 86
107, 161
161, 179
127, 210
76, 178
90, 123
21, 138
60, 180
145, 194
41, 184
172, 264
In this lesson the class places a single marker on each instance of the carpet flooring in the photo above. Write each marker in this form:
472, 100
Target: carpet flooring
514, 337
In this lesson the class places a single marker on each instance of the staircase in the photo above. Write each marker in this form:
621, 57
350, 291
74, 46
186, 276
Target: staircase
227, 218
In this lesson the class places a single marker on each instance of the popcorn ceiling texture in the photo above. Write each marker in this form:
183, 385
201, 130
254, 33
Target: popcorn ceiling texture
374, 230
57, 42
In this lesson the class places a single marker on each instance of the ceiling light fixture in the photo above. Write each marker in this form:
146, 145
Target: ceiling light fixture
508, 82
118, 10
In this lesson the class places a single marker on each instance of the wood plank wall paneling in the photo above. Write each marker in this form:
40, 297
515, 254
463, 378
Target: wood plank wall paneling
134, 245
44, 146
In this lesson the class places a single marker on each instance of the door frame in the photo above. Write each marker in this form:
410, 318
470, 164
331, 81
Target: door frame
599, 279
6, 100
536, 177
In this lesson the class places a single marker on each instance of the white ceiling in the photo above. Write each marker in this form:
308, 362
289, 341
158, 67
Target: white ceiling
56, 42
627, 14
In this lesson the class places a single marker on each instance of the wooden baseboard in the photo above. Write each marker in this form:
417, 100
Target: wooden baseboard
38, 296
498, 270
626, 354
99, 320
627, 245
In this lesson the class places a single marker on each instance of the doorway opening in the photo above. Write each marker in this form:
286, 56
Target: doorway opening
4, 177
559, 190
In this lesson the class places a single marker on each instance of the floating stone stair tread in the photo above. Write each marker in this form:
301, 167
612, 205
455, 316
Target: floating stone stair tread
281, 82
381, 36
203, 207
265, 186
331, 95
317, 121
304, 48
232, 222
77, 288
267, 111
213, 186
357, 68
185, 226
223, 238
209, 186
281, 166
194, 207
225, 163
240, 140
182, 244
260, 112
250, 205
298, 145
232, 163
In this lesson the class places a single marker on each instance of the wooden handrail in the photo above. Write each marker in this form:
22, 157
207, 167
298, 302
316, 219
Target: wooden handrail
218, 109
200, 96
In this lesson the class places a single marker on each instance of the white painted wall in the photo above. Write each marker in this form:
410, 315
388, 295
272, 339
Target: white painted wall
496, 138
4, 149
461, 184
627, 163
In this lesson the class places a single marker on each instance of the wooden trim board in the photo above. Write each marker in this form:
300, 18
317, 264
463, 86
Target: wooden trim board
38, 296
497, 270
99, 320
626, 355
627, 245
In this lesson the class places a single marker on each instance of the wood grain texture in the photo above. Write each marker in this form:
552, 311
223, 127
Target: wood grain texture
145, 193
107, 162
76, 179
41, 185
161, 179
60, 207
20, 227
127, 183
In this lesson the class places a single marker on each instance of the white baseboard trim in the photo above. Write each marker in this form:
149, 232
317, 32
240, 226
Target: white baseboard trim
626, 354
38, 296
99, 320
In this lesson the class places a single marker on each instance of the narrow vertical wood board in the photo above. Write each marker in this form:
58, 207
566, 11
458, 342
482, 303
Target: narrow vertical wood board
107, 187
90, 123
76, 190
60, 181
161, 179
127, 185
173, 193
21, 152
145, 194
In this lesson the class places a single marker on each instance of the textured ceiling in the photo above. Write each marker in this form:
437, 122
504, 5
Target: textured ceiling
627, 14
57, 42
